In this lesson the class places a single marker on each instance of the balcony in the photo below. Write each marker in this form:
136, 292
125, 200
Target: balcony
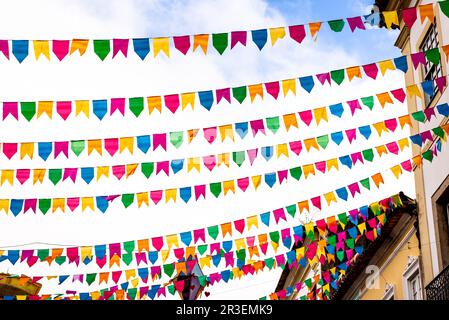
438, 288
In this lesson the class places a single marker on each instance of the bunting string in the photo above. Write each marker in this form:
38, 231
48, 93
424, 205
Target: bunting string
87, 174
208, 98
210, 134
20, 49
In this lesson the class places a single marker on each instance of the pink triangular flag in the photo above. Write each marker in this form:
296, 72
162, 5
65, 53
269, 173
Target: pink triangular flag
61, 48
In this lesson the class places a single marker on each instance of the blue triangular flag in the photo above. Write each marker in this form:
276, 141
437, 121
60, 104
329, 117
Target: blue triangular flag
20, 49
265, 218
186, 238
143, 273
337, 109
267, 152
241, 129
291, 256
185, 193
102, 203
307, 83
270, 179
330, 249
141, 47
354, 220
365, 131
16, 206
342, 193
153, 256
144, 143
227, 245
13, 256
177, 165
153, 290
443, 109
364, 211
216, 259
337, 137
287, 241
298, 231
62, 278
401, 63
240, 263
303, 262
428, 87
346, 160
416, 139
225, 275
359, 249
87, 174
100, 251
260, 37
206, 99
44, 149
100, 107
124, 285
352, 232
85, 296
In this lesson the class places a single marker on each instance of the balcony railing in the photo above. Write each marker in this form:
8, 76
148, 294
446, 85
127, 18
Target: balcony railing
438, 288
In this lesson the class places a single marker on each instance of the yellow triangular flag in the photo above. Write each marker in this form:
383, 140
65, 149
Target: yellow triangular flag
7, 175
276, 34
142, 197
413, 90
87, 202
201, 40
102, 171
228, 186
45, 107
170, 194
289, 85
330, 196
127, 143
4, 205
290, 120
252, 221
255, 90
161, 44
193, 163
131, 169
82, 106
79, 45
386, 65
38, 175
397, 171
281, 149
58, 203
308, 169
154, 103
26, 149
391, 17
226, 131
41, 47
172, 240
94, 145
186, 99
256, 181
332, 163
320, 114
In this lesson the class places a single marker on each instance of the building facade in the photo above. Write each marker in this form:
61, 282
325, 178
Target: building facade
431, 180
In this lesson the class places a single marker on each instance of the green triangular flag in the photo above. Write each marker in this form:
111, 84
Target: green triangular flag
340, 255
263, 298
320, 282
350, 243
296, 173
303, 298
213, 232
147, 168
102, 48
136, 105
419, 116
439, 132
129, 246
127, 258
368, 101
291, 210
60, 260
336, 25
171, 289
238, 157
368, 155
55, 175
132, 293
127, 199
343, 218
323, 141
215, 188
365, 182
202, 280
308, 283
273, 124
90, 278
177, 138
77, 146
311, 235
444, 6
28, 109
43, 254
269, 263
220, 41
241, 254
338, 76
44, 205
169, 269
239, 93
332, 240
274, 236
433, 55
202, 248
428, 155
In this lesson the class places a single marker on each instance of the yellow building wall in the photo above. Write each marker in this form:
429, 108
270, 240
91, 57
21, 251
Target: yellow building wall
392, 273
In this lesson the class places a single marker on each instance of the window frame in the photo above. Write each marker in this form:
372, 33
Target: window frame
411, 272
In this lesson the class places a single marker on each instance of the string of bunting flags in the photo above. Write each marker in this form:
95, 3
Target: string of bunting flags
345, 250
17, 206
87, 174
20, 49
210, 134
208, 98
105, 252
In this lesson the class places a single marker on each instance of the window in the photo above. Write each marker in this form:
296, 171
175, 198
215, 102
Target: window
440, 206
431, 71
412, 280
389, 292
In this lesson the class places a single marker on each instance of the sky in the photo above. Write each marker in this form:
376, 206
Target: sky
88, 78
